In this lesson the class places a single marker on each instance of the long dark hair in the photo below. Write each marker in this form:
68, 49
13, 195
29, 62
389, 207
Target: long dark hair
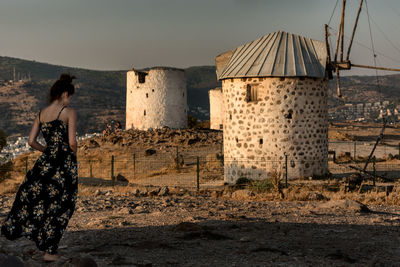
63, 84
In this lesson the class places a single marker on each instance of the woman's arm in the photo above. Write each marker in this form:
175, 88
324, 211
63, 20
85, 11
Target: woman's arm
34, 134
72, 130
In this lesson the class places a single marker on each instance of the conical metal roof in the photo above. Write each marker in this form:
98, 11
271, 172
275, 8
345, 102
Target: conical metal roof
278, 54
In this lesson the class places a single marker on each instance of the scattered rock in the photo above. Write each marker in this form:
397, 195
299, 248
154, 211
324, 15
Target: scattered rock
163, 191
192, 141
136, 192
144, 192
314, 196
154, 192
93, 144
149, 152
126, 211
116, 139
121, 178
242, 194
108, 193
390, 156
345, 205
216, 194
140, 209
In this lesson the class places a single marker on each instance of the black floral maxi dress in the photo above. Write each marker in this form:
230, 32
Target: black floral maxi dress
45, 200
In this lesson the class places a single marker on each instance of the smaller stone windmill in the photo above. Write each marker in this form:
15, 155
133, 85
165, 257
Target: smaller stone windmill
156, 98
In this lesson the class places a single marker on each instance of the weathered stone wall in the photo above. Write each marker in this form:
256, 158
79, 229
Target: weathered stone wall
161, 100
289, 117
216, 108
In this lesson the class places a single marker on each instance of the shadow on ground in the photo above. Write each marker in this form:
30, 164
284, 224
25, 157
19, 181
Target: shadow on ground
242, 242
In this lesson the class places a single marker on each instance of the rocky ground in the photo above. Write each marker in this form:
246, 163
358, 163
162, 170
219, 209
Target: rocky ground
144, 227
313, 222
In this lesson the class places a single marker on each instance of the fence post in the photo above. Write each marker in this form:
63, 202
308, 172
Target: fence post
198, 174
26, 165
286, 170
91, 170
374, 170
177, 158
112, 167
355, 149
134, 165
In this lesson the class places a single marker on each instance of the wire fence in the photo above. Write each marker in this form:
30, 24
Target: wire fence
190, 171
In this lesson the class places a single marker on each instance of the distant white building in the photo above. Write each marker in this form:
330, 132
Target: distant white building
156, 98
216, 108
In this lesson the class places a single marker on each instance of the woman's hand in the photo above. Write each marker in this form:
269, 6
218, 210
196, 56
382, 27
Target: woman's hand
33, 136
72, 129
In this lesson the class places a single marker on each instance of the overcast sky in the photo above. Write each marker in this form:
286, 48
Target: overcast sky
121, 34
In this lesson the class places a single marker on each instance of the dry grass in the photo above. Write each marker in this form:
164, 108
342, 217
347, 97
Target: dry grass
301, 192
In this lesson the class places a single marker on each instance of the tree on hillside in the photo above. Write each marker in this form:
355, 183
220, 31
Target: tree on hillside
3, 139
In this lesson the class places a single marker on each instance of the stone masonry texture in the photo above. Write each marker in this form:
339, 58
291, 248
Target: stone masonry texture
287, 116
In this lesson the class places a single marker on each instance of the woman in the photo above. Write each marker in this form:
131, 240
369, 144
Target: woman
45, 200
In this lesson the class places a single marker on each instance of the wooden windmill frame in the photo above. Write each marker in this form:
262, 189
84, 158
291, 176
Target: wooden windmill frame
338, 64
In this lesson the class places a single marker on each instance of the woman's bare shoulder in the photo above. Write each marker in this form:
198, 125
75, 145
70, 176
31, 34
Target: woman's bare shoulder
70, 112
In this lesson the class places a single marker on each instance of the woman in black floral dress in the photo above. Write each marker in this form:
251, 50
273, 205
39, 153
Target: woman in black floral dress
46, 198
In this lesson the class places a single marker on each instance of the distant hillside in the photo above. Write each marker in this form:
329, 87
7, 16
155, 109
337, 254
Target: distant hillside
361, 89
101, 94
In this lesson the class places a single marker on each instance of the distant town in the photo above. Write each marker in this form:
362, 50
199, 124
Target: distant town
368, 112
20, 146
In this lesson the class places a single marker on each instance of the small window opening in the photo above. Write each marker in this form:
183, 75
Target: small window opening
152, 90
251, 93
144, 113
183, 94
230, 116
221, 126
142, 77
289, 115
237, 140
261, 141
147, 95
